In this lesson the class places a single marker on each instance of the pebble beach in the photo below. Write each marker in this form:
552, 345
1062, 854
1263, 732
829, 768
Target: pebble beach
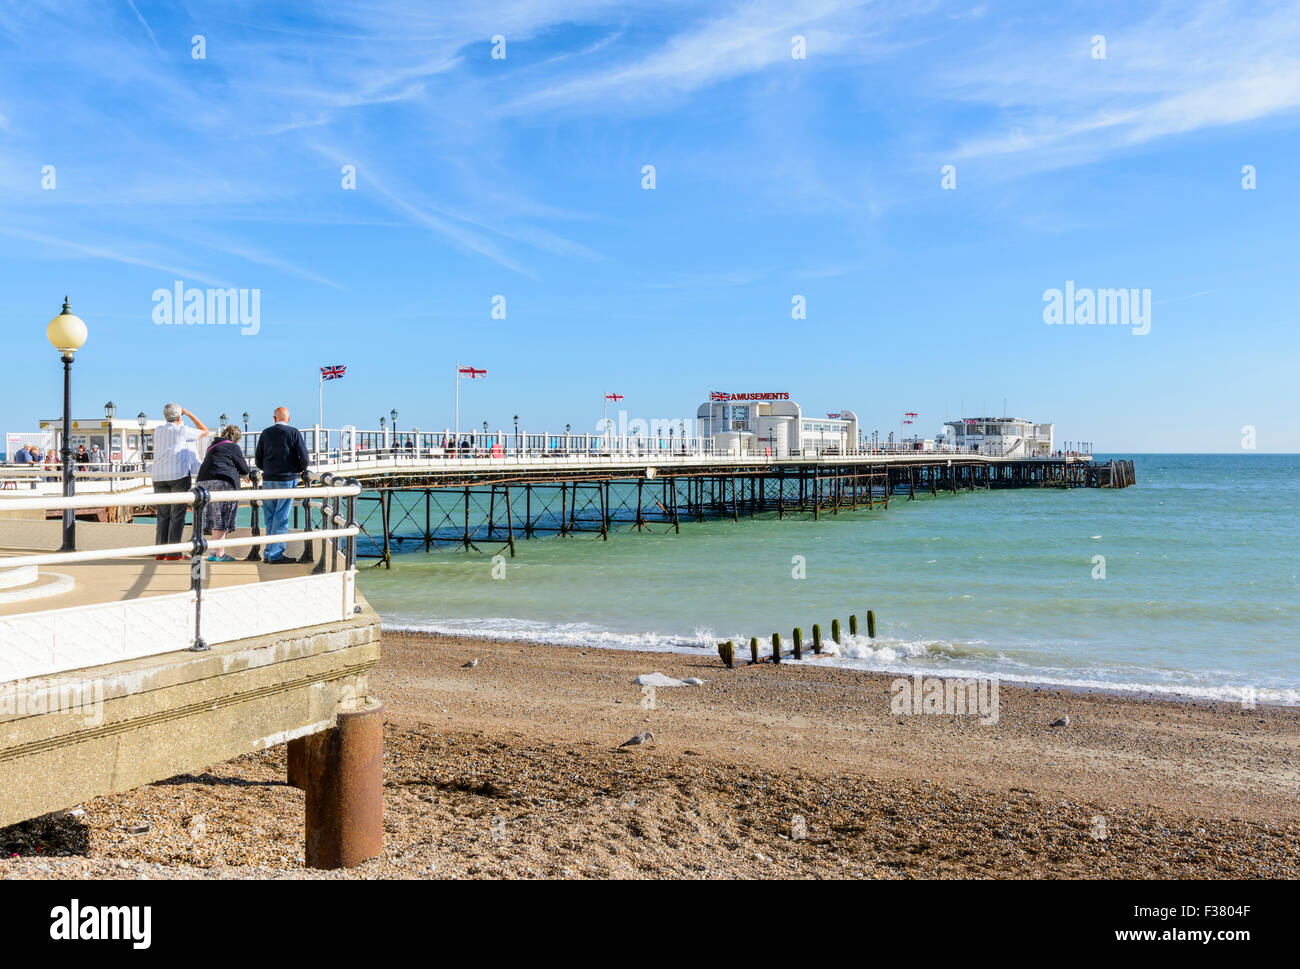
513, 768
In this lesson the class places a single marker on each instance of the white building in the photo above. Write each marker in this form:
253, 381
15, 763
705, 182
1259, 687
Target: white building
1009, 437
771, 424
120, 441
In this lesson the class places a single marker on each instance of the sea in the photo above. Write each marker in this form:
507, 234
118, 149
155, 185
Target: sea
1186, 584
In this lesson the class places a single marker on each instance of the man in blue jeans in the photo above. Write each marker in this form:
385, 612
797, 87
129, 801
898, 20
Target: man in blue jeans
281, 457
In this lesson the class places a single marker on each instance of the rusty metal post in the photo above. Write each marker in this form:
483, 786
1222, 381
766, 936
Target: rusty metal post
345, 790
297, 768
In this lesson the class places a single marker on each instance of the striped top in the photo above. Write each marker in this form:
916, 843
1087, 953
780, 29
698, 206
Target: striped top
173, 452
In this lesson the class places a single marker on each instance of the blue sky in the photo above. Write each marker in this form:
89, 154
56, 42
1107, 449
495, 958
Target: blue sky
775, 177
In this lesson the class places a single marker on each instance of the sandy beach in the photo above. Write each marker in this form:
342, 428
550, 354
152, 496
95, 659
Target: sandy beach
512, 768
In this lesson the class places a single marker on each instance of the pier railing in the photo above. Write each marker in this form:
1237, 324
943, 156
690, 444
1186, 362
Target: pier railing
332, 500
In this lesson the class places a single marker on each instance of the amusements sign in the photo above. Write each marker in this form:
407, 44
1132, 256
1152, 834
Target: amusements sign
719, 395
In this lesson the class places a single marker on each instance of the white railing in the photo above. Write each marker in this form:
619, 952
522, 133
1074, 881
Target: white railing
336, 525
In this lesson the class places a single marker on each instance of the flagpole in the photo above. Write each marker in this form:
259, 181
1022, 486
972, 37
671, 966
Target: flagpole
456, 429
320, 401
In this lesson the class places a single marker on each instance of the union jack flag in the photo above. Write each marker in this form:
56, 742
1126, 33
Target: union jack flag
333, 373
719, 395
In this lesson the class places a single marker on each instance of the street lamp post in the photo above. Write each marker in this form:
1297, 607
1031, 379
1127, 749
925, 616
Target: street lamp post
143, 420
67, 333
222, 421
383, 434
110, 411
245, 432
566, 438
516, 435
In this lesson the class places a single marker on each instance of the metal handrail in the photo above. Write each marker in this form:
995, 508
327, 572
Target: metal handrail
173, 497
199, 498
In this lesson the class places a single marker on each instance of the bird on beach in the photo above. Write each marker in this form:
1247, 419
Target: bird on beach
1063, 722
470, 665
638, 740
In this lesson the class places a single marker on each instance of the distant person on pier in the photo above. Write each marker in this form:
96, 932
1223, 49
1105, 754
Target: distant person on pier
82, 456
223, 468
174, 461
23, 455
281, 457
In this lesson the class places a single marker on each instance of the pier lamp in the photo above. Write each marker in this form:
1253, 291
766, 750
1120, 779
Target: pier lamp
222, 421
393, 414
516, 434
143, 420
110, 410
67, 333
416, 432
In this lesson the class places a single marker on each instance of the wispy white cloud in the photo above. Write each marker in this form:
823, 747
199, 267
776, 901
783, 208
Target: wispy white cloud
145, 24
746, 39
112, 254
1177, 71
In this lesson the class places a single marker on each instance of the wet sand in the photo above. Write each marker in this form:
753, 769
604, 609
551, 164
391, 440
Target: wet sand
512, 768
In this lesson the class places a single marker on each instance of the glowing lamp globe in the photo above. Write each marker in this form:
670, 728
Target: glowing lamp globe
66, 331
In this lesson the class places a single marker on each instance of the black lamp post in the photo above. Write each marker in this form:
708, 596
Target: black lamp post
110, 411
516, 435
143, 420
393, 414
67, 333
222, 421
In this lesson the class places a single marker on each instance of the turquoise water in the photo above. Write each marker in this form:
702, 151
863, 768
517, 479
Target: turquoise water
1201, 594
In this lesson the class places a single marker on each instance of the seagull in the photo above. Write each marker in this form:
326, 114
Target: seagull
638, 739
1063, 722
470, 665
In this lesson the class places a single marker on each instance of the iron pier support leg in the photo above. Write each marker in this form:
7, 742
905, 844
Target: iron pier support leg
345, 789
510, 522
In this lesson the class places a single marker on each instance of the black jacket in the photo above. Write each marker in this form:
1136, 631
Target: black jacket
224, 462
281, 453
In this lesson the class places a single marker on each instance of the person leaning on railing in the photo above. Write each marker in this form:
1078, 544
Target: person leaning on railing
174, 461
223, 468
281, 457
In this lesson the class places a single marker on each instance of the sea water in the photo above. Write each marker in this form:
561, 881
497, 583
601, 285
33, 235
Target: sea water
1187, 583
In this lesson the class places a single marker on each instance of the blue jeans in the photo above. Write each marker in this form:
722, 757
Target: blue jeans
277, 511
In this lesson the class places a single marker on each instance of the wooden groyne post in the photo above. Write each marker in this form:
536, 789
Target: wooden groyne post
776, 647
798, 642
727, 652
871, 624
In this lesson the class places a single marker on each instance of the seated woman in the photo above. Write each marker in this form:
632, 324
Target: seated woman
222, 469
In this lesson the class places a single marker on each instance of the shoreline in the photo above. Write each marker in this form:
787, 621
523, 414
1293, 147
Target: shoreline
513, 768
1116, 690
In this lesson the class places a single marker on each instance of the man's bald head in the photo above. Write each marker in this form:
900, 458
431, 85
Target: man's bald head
281, 415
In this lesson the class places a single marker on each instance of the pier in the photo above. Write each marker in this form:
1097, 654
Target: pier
490, 503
